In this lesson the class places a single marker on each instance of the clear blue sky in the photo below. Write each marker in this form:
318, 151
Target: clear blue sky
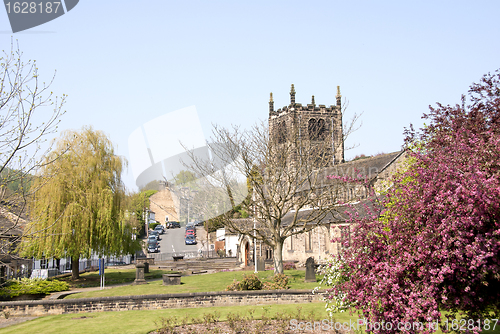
124, 63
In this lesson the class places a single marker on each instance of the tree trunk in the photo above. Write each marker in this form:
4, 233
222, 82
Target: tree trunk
75, 268
278, 257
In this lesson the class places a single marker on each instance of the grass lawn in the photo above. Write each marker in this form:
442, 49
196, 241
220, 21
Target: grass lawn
147, 321
112, 277
142, 322
196, 283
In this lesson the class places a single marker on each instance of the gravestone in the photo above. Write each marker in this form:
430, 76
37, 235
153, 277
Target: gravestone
310, 270
261, 265
139, 274
171, 279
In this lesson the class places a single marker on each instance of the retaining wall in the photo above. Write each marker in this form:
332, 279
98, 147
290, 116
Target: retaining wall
154, 302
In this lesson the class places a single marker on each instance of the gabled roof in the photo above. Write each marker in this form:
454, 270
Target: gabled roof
10, 223
364, 167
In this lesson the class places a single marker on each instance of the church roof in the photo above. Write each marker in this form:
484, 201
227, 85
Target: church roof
364, 167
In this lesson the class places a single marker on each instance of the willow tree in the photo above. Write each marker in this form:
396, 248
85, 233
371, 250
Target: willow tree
78, 211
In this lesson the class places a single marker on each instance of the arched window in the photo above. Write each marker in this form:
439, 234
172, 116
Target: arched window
316, 129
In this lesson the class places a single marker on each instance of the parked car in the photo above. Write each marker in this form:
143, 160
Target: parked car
152, 239
152, 248
191, 229
160, 229
190, 240
190, 233
155, 233
198, 223
173, 225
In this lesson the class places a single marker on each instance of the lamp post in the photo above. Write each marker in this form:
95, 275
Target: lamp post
254, 241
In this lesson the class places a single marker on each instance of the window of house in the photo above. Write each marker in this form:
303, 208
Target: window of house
43, 263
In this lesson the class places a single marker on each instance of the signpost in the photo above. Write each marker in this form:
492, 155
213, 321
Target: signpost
101, 272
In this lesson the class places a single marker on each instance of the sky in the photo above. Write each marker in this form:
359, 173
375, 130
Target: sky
126, 63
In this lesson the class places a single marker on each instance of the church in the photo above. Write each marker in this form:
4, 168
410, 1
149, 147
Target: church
320, 125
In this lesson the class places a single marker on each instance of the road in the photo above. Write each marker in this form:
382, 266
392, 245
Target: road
172, 241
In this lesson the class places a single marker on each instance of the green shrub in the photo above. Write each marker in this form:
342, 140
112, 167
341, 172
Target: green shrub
26, 286
280, 282
153, 225
249, 282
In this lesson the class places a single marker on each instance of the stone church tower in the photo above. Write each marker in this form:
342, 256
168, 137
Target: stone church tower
315, 123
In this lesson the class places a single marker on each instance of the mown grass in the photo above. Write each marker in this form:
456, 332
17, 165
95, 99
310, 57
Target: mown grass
196, 283
141, 322
112, 277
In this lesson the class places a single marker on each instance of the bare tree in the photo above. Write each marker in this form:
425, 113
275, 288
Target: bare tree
270, 177
29, 115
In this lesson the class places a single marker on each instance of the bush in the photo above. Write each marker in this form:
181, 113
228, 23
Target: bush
153, 225
34, 286
252, 282
249, 282
289, 266
280, 282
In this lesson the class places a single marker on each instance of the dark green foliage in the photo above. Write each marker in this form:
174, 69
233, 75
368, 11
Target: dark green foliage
249, 282
153, 225
252, 282
34, 286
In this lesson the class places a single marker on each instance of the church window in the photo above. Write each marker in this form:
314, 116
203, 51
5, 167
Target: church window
316, 129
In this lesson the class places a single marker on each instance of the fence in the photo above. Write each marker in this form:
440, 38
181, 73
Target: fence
48, 268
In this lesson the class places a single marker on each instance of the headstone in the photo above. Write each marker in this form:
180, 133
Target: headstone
139, 274
310, 270
171, 279
261, 265
146, 267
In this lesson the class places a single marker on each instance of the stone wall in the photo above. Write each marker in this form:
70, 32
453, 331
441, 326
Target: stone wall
316, 243
154, 302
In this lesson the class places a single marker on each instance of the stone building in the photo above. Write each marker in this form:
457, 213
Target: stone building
165, 204
318, 124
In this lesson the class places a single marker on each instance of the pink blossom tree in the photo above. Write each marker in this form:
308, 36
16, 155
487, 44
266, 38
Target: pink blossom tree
434, 246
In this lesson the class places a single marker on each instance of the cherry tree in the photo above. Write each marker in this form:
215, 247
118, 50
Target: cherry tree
433, 244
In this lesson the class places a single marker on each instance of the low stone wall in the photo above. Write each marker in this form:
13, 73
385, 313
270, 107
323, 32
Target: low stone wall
155, 302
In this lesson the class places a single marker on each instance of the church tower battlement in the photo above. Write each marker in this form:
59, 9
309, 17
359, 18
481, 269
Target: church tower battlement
315, 123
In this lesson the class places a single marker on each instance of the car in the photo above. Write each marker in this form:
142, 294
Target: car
152, 239
153, 248
198, 223
160, 229
173, 225
190, 233
155, 233
190, 240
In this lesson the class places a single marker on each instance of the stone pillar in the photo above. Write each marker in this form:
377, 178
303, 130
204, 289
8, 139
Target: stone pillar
139, 274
